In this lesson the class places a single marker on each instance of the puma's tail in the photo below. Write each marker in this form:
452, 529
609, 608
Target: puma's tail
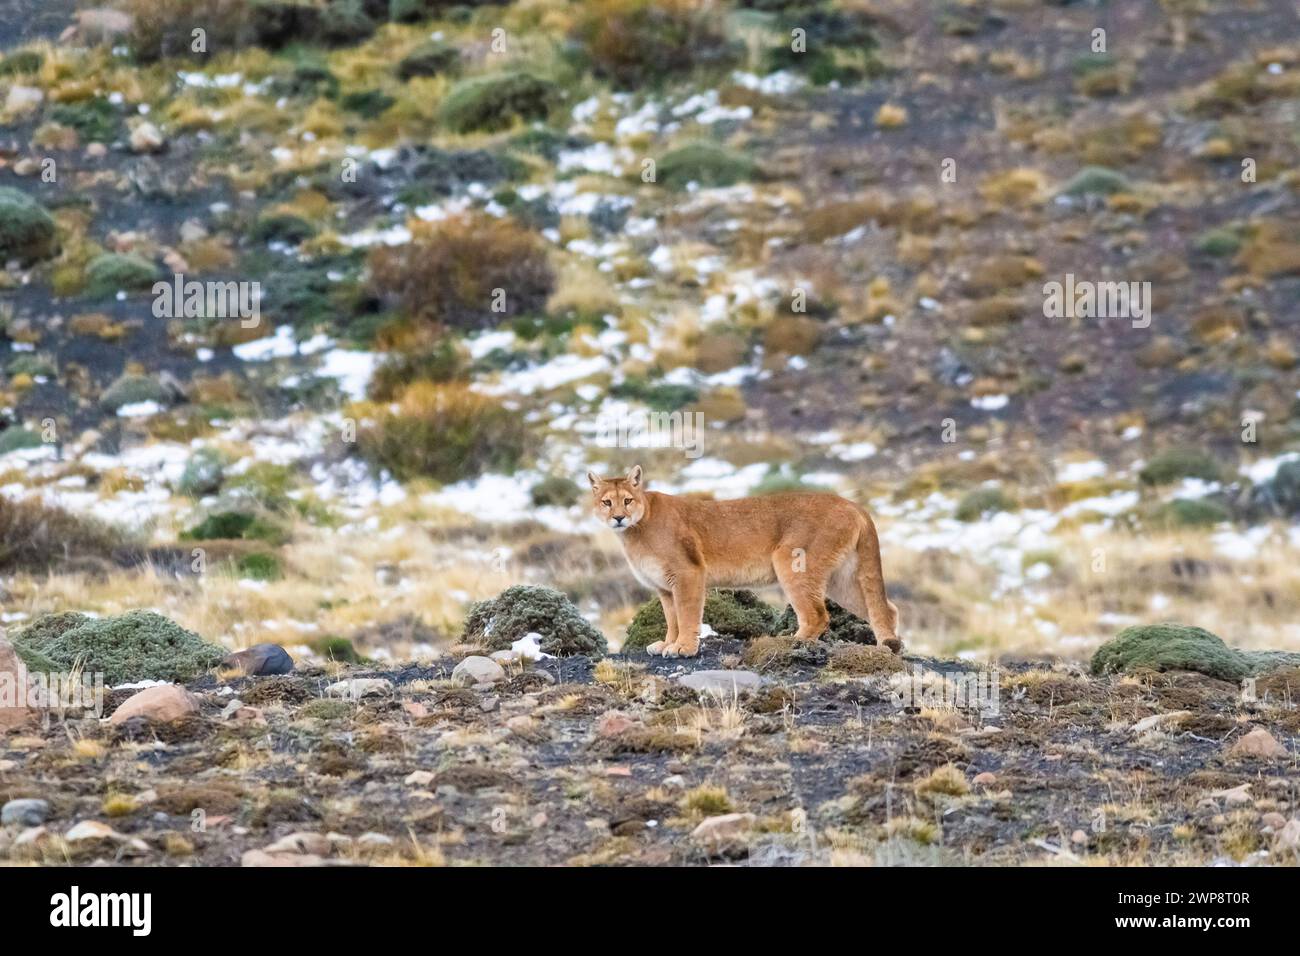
882, 613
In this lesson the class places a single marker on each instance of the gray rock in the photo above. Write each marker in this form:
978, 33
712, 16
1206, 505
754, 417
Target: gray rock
27, 813
722, 682
261, 660
359, 687
477, 670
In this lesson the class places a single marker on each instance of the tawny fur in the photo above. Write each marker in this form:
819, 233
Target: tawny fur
814, 546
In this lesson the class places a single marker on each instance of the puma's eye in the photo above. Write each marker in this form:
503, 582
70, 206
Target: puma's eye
627, 501
607, 503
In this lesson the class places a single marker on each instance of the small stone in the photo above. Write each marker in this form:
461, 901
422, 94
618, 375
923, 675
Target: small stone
31, 836
1078, 838
260, 660
614, 723
26, 167
26, 813
91, 833
419, 778
311, 843
725, 835
96, 151
674, 782
1159, 720
527, 728
23, 99
374, 841
359, 687
1273, 820
260, 858
1258, 743
192, 231
985, 779
477, 670
726, 683
161, 704
147, 138
1235, 796
1289, 835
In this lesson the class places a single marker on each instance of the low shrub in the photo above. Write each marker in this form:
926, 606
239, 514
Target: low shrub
444, 432
517, 611
27, 231
705, 164
136, 646
455, 271
635, 43
35, 537
496, 102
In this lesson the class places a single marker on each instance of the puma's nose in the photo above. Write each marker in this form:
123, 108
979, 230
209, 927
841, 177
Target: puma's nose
619, 519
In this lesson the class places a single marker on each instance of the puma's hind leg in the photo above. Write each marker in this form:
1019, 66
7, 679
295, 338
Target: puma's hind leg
806, 593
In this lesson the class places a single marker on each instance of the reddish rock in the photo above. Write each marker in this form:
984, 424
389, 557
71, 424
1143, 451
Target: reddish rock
162, 704
1258, 743
612, 723
14, 712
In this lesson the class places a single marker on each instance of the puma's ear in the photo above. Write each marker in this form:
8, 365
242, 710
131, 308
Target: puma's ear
595, 482
634, 476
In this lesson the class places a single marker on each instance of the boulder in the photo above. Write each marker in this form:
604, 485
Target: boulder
260, 660
25, 813
477, 670
14, 711
162, 704
1258, 743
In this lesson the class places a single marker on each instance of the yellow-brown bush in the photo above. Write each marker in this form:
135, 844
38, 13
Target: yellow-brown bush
444, 432
450, 271
638, 42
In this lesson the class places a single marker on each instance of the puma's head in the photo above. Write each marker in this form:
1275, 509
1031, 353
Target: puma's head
618, 502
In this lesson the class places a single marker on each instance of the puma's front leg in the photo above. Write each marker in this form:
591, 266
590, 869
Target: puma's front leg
688, 596
670, 618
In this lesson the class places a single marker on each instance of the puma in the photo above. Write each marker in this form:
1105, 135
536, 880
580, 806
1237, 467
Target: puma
813, 545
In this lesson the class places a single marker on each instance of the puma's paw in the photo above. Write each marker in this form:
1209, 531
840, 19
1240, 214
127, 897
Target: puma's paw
894, 644
657, 648
684, 649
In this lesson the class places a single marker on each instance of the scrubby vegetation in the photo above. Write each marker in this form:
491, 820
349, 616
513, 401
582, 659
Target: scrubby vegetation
36, 538
136, 646
634, 43
706, 164
467, 272
843, 625
491, 103
521, 610
1184, 647
443, 432
27, 231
